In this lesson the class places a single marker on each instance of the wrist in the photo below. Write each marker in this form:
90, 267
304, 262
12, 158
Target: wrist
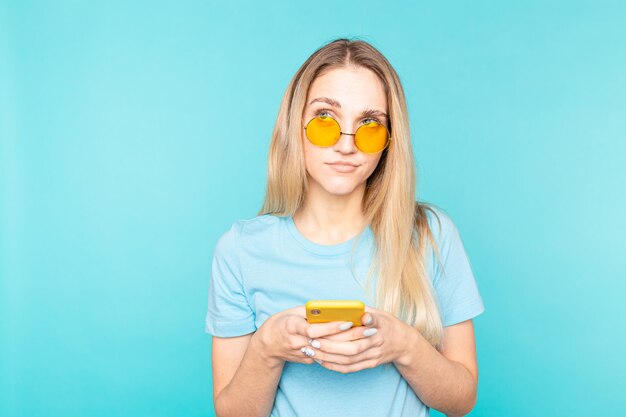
262, 346
410, 347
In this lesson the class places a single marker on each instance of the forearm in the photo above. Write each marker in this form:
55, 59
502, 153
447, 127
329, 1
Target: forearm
440, 383
252, 390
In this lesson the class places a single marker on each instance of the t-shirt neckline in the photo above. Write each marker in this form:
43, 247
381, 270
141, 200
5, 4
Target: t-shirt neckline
328, 250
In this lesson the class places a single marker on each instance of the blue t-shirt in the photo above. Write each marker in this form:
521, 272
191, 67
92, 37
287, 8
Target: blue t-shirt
265, 265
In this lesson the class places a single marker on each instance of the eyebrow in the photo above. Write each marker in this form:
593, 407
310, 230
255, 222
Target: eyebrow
335, 103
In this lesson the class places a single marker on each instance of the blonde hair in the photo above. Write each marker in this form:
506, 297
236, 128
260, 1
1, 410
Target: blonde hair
398, 222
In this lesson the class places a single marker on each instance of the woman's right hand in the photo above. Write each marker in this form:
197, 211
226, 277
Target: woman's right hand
285, 336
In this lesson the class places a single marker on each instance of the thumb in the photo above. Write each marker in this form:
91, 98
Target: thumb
368, 319
371, 317
296, 311
315, 330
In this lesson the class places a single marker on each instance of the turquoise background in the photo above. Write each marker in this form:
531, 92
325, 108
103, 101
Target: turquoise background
133, 134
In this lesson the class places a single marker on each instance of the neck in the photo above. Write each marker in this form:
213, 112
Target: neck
330, 219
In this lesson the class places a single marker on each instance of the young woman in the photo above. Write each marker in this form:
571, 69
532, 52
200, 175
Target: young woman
340, 221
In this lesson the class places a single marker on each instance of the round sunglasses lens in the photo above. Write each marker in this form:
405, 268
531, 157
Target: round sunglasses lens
323, 131
371, 137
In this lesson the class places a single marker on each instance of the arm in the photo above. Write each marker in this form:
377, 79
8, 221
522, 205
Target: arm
246, 369
445, 381
239, 366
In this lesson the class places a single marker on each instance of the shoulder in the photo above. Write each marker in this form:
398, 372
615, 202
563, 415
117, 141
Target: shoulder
440, 223
245, 231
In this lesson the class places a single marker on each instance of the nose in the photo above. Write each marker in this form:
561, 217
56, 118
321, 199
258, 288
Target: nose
345, 144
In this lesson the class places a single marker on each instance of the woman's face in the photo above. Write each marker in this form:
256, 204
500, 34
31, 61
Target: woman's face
344, 94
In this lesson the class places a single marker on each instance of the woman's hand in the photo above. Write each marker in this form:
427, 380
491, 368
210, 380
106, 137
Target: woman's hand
285, 336
383, 338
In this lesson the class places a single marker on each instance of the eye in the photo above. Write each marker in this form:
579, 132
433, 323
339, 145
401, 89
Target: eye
323, 113
329, 113
371, 120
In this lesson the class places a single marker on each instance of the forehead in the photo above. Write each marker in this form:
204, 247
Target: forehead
353, 87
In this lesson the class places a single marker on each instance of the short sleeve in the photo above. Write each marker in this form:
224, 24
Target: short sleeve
453, 280
228, 314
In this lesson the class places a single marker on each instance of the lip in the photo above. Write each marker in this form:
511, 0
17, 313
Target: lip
342, 166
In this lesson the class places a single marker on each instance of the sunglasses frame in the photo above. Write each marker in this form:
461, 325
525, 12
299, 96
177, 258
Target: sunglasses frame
349, 134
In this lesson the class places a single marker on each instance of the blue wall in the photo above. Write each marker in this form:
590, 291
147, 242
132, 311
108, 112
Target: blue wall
132, 136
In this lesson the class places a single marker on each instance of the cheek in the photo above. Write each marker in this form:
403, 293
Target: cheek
372, 163
308, 149
313, 156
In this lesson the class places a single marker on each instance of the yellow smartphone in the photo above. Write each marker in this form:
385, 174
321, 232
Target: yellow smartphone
323, 311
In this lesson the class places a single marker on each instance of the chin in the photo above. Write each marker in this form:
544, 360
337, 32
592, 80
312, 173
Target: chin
339, 193
334, 185
339, 189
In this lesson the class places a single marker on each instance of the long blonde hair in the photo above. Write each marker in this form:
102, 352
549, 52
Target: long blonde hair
398, 222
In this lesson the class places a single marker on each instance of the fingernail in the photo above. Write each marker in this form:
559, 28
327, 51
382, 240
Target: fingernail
370, 332
315, 343
346, 326
308, 351
318, 361
368, 320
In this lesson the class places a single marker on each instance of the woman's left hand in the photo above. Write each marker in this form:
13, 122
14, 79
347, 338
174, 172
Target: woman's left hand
383, 338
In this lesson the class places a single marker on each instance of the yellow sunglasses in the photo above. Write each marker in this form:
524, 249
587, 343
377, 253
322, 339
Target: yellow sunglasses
324, 131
